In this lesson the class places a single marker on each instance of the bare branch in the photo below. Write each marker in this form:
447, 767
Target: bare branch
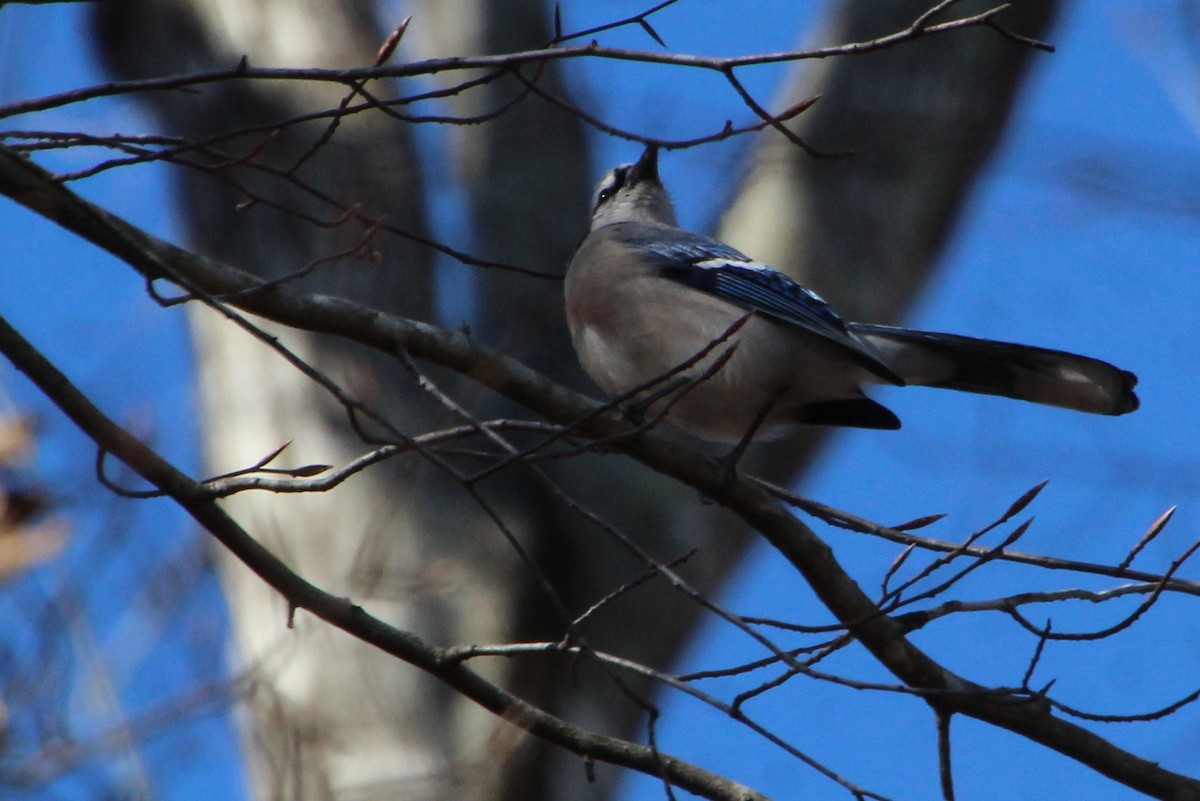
640, 20
341, 612
882, 636
946, 770
852, 522
731, 710
243, 71
1155, 529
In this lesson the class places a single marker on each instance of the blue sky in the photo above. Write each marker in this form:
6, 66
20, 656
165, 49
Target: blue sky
1084, 235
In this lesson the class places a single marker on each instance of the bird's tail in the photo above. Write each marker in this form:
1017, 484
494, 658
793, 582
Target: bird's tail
1049, 377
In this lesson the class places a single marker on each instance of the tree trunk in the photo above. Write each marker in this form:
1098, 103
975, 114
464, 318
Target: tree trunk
329, 718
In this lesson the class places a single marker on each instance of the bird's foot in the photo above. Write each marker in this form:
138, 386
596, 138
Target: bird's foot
635, 411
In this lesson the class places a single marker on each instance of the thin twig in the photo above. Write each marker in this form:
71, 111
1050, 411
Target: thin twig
945, 771
244, 72
812, 558
851, 522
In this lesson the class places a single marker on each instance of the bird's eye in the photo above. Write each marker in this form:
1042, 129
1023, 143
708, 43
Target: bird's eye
616, 180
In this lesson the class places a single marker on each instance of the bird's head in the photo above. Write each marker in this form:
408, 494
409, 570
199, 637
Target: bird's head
633, 193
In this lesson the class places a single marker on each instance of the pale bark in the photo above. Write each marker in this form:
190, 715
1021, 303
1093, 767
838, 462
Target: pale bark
328, 716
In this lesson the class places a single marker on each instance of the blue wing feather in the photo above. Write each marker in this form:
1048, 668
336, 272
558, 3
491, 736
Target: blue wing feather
694, 248
718, 269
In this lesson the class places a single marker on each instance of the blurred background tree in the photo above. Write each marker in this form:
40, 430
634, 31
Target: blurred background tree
330, 719
322, 715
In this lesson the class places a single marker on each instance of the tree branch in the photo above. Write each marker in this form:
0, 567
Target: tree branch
882, 636
192, 496
351, 77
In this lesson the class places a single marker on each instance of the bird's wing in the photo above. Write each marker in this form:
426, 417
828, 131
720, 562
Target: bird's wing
716, 268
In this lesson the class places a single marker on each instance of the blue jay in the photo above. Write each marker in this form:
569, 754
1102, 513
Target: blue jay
729, 349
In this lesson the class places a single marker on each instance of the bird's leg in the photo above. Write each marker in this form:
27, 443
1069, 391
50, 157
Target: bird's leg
635, 411
729, 461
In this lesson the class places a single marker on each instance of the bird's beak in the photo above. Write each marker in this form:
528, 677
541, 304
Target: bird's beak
646, 168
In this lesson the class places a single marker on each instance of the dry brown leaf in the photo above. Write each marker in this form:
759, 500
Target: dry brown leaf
18, 434
23, 547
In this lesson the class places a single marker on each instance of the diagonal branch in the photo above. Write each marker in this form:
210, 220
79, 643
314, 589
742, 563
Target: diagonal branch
881, 635
193, 497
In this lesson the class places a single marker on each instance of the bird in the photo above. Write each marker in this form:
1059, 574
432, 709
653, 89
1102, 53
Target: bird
685, 328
